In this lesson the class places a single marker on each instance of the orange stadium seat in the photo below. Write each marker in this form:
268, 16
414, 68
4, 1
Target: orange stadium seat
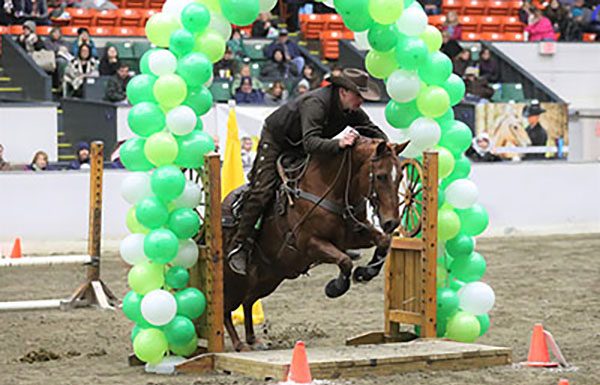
514, 36
146, 14
69, 31
107, 18
101, 31
137, 4
155, 4
468, 23
589, 37
471, 36
437, 20
4, 30
130, 18
43, 29
330, 42
82, 17
493, 36
498, 8
452, 5
334, 22
512, 24
313, 26
16, 29
514, 7
119, 3
128, 31
490, 24
474, 7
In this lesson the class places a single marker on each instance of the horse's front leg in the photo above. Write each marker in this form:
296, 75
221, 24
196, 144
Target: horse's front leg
372, 269
325, 252
238, 345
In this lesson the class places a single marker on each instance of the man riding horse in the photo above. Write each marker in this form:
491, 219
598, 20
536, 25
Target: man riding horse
305, 125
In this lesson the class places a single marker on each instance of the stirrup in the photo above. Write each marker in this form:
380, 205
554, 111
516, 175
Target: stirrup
238, 259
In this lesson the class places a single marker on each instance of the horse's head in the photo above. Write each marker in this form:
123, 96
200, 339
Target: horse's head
509, 131
382, 165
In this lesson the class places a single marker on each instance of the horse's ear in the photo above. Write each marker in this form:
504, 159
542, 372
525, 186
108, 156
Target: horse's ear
382, 148
398, 148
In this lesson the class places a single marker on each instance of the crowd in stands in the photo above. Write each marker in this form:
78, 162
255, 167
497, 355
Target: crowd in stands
568, 18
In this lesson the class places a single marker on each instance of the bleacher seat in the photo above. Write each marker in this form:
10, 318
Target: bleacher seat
452, 5
334, 22
437, 20
589, 37
107, 18
140, 47
130, 18
514, 36
4, 30
43, 30
82, 17
138, 4
255, 70
492, 36
129, 31
470, 36
490, 24
330, 47
474, 7
255, 51
146, 14
498, 8
220, 91
16, 29
512, 24
154, 4
468, 23
513, 92
101, 31
313, 25
69, 31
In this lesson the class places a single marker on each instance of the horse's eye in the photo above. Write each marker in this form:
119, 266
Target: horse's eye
382, 177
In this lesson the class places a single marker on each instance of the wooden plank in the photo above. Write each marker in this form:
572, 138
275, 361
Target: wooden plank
409, 302
406, 317
95, 210
371, 338
203, 363
429, 257
408, 243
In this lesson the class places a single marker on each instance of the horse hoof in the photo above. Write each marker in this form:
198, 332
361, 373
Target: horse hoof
242, 347
363, 274
337, 287
259, 345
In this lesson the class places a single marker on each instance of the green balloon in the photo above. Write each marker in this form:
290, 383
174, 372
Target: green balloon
150, 345
386, 11
133, 224
460, 246
456, 285
484, 323
462, 168
146, 118
380, 64
179, 331
195, 17
447, 302
211, 44
240, 12
441, 197
455, 87
144, 65
474, 220
401, 115
445, 162
132, 155
170, 90
139, 89
355, 14
432, 37
441, 276
151, 212
161, 246
448, 224
195, 69
132, 306
463, 327
456, 137
184, 222
177, 277
411, 53
441, 325
187, 349
200, 100
448, 116
193, 147
135, 331
433, 101
167, 182
159, 28
469, 269
383, 37
145, 277
161, 149
181, 42
436, 69
445, 260
190, 302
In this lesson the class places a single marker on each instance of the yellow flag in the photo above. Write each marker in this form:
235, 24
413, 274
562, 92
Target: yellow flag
232, 172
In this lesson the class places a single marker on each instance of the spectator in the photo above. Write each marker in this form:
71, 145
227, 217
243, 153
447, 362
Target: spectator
539, 27
452, 26
83, 37
525, 11
293, 6
36, 10
246, 94
54, 42
62, 57
245, 72
302, 87
593, 25
227, 66
263, 27
450, 47
309, 74
278, 67
82, 155
432, 7
558, 16
4, 165
476, 86
580, 18
109, 64
461, 62
29, 40
80, 68
236, 44
117, 85
488, 66
248, 155
276, 95
482, 149
290, 49
39, 162
336, 71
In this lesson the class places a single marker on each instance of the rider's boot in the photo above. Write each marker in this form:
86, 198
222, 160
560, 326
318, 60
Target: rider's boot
238, 257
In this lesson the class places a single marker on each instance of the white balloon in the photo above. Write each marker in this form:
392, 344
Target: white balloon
181, 120
413, 20
187, 255
175, 7
190, 197
136, 187
361, 41
462, 193
132, 249
411, 151
329, 3
266, 5
403, 86
476, 298
162, 62
159, 307
398, 135
220, 24
424, 133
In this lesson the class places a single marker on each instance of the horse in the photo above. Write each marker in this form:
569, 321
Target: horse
325, 214
508, 131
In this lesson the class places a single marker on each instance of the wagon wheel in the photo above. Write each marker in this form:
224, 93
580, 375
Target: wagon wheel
411, 198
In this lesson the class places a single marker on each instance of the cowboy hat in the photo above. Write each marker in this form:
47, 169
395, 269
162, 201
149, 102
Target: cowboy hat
533, 109
358, 81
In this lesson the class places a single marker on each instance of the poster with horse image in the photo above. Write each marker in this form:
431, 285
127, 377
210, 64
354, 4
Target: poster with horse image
524, 130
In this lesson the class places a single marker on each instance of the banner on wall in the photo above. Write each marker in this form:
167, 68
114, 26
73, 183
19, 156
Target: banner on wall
516, 131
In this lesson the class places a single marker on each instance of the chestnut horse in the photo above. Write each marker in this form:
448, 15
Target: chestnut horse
327, 217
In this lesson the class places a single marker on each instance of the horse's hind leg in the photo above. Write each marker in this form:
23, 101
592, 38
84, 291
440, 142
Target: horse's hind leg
255, 343
238, 345
372, 269
326, 252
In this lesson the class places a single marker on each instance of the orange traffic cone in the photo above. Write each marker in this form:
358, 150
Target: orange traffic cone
538, 349
16, 251
562, 381
299, 370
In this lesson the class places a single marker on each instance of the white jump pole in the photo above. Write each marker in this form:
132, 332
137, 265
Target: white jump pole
46, 261
31, 305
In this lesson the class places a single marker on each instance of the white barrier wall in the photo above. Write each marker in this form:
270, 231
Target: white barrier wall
26, 129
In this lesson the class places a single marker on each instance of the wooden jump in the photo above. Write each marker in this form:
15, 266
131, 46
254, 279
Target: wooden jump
93, 291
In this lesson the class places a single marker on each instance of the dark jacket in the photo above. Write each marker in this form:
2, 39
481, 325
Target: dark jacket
254, 97
231, 65
479, 87
310, 122
537, 134
290, 47
279, 70
54, 45
107, 68
459, 66
259, 30
116, 89
489, 69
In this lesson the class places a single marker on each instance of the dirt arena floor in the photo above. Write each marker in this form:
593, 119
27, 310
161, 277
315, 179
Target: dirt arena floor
553, 280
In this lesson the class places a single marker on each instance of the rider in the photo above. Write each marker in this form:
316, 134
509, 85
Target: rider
306, 124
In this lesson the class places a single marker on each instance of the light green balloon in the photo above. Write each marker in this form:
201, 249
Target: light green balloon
150, 345
448, 224
159, 28
212, 5
133, 224
463, 327
380, 64
432, 37
161, 149
386, 11
445, 162
170, 90
211, 44
433, 101
145, 277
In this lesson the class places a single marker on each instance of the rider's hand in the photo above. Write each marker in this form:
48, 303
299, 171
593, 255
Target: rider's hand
348, 139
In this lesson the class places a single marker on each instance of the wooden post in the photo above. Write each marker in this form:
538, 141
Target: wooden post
429, 255
95, 210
